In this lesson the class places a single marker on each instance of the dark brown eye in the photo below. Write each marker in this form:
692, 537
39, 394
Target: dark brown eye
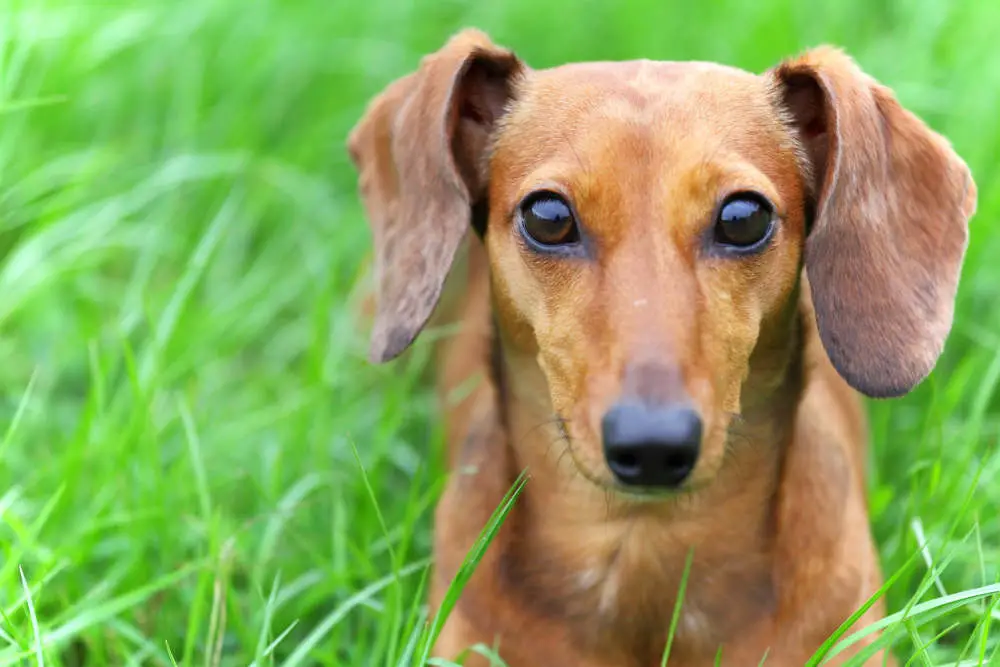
744, 222
547, 221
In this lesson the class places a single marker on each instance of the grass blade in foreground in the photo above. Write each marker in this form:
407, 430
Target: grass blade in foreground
468, 566
34, 619
942, 604
825, 650
677, 607
302, 651
100, 613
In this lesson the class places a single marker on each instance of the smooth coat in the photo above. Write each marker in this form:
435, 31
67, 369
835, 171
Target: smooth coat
854, 294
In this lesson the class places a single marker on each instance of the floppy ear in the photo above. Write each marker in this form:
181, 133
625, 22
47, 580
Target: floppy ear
891, 202
420, 150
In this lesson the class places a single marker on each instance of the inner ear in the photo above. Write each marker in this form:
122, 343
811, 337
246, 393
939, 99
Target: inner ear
484, 91
805, 100
486, 87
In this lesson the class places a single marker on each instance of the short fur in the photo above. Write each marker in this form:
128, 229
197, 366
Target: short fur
872, 205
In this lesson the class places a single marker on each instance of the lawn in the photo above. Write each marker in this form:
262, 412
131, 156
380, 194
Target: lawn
197, 464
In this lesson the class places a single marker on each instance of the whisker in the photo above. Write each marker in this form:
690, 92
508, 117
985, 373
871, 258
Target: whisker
548, 422
565, 452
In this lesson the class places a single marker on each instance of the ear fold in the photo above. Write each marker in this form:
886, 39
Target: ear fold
892, 202
420, 150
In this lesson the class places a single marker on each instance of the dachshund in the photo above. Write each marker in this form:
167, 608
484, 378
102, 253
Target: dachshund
672, 284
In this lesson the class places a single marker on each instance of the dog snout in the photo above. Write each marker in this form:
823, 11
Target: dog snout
652, 446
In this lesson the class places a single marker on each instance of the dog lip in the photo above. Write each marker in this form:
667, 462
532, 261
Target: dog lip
648, 494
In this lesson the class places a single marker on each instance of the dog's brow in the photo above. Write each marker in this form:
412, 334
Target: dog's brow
710, 158
576, 155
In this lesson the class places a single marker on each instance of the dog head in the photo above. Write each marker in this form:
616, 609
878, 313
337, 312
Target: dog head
647, 224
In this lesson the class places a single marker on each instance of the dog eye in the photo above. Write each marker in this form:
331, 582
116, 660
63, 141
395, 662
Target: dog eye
547, 221
744, 221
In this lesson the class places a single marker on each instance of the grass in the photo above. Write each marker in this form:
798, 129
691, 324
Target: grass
197, 465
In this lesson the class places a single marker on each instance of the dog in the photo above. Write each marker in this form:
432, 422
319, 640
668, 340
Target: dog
673, 281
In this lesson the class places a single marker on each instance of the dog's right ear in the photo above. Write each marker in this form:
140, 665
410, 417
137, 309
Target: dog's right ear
892, 204
420, 151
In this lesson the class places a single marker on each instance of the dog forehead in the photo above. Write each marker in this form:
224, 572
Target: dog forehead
643, 74
643, 103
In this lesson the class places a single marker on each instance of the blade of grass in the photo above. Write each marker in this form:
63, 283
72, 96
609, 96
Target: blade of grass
22, 406
491, 654
416, 621
197, 460
100, 612
312, 640
922, 647
397, 588
217, 619
39, 655
946, 603
196, 268
985, 630
265, 626
468, 566
918, 531
269, 649
677, 607
825, 649
410, 647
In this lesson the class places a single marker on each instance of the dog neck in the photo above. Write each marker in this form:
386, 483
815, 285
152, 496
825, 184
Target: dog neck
608, 567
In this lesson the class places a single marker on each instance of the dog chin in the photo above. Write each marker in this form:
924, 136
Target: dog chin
633, 494
648, 494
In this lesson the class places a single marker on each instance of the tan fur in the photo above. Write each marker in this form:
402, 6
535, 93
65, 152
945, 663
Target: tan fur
584, 573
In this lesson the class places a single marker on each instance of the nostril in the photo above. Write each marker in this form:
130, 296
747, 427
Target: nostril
624, 464
679, 463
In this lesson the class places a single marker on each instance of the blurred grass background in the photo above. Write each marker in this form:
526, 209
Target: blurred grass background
198, 466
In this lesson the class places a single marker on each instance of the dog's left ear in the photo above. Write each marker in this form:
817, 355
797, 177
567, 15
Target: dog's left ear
892, 201
421, 152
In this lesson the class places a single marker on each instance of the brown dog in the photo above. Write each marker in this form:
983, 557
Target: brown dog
640, 335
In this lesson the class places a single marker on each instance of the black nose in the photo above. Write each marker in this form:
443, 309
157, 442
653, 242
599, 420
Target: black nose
651, 446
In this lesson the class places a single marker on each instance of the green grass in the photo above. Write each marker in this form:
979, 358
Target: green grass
197, 465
